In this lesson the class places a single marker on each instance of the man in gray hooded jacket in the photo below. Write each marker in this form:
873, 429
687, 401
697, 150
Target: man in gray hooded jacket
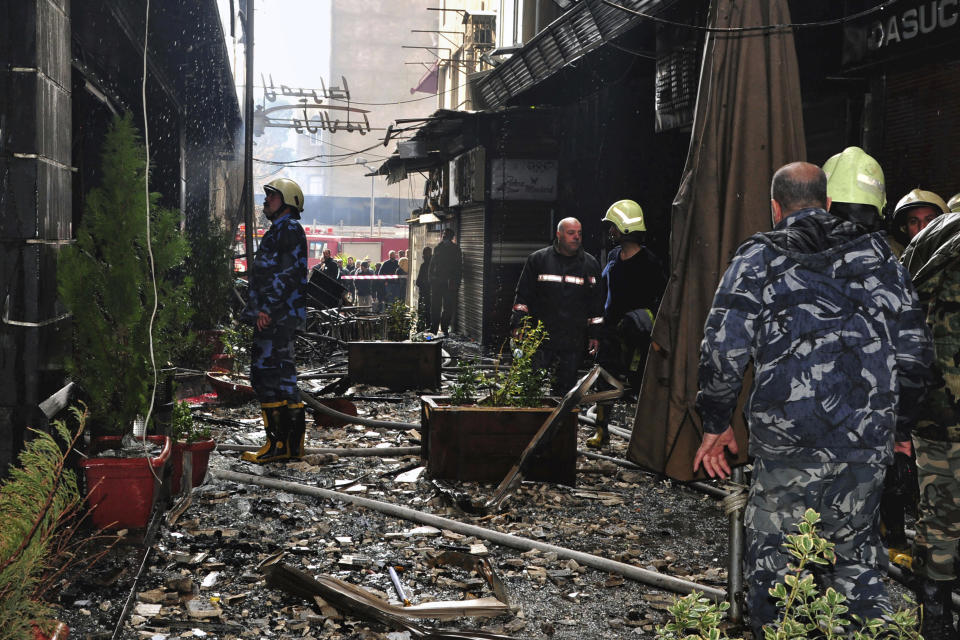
832, 324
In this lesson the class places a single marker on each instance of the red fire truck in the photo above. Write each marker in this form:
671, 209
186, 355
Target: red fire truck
374, 248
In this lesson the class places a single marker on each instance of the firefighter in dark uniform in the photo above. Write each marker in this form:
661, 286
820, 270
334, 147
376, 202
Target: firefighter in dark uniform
560, 286
633, 281
277, 308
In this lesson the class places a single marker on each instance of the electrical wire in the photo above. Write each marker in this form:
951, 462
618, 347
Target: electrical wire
321, 155
768, 27
153, 273
387, 104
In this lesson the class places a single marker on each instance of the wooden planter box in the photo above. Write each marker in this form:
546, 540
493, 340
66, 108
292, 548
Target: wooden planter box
396, 365
483, 443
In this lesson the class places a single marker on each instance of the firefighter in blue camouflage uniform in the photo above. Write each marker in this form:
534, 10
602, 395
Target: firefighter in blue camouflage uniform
633, 281
277, 308
838, 343
933, 259
560, 286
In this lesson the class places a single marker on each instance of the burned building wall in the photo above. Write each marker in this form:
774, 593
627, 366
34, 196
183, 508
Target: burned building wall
35, 207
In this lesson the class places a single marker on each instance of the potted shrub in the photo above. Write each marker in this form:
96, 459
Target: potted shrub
481, 429
129, 303
41, 505
210, 268
191, 441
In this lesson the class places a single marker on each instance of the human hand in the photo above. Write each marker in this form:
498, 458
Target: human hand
712, 453
593, 345
905, 447
263, 321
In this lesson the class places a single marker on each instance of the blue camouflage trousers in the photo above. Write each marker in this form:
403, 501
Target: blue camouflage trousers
938, 527
273, 372
847, 497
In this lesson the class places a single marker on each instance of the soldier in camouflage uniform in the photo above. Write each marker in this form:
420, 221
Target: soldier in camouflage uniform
277, 308
933, 259
831, 322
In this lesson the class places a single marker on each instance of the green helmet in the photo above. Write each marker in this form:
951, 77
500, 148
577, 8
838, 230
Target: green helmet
289, 190
853, 176
626, 216
954, 203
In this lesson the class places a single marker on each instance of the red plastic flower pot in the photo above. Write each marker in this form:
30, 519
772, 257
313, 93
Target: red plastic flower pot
120, 491
60, 632
201, 459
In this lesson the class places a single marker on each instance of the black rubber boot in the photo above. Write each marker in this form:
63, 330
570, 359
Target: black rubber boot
275, 448
296, 421
935, 596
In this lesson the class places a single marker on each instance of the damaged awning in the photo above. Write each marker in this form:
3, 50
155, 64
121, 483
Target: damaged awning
438, 138
584, 28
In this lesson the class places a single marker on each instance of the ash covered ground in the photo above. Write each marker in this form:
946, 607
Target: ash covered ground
202, 577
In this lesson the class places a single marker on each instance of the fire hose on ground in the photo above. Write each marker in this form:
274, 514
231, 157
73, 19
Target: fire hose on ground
653, 578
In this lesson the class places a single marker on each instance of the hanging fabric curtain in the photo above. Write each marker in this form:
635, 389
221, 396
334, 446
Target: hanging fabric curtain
748, 123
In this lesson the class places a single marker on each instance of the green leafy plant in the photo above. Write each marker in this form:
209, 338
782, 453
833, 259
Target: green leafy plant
40, 503
805, 611
237, 339
210, 267
183, 427
106, 281
522, 384
464, 390
400, 321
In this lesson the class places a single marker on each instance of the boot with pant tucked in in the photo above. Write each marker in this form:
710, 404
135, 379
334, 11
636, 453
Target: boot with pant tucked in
296, 428
601, 438
276, 423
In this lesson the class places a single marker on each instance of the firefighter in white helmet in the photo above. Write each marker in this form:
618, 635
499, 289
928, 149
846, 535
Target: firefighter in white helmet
633, 281
915, 211
953, 204
277, 309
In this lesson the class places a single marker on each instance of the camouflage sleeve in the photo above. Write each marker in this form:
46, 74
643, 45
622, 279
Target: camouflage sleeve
283, 289
727, 342
915, 356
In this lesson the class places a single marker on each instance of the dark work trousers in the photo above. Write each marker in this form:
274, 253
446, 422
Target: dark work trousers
424, 318
273, 372
443, 306
563, 362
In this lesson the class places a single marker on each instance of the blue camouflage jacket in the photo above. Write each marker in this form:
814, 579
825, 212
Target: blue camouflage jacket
832, 323
279, 279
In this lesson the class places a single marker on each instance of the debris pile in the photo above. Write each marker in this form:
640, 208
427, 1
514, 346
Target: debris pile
212, 567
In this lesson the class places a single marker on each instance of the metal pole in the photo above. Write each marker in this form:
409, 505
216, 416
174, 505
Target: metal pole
372, 201
736, 534
653, 578
248, 143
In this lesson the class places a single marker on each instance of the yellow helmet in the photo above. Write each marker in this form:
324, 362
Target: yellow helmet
289, 190
954, 203
626, 216
854, 177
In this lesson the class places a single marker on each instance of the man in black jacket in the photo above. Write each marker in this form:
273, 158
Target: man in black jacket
560, 286
423, 289
446, 268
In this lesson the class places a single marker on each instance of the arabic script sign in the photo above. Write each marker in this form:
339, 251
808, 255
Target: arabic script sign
512, 179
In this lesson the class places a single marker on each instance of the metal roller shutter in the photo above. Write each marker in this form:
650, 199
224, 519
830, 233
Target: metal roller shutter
470, 304
920, 136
